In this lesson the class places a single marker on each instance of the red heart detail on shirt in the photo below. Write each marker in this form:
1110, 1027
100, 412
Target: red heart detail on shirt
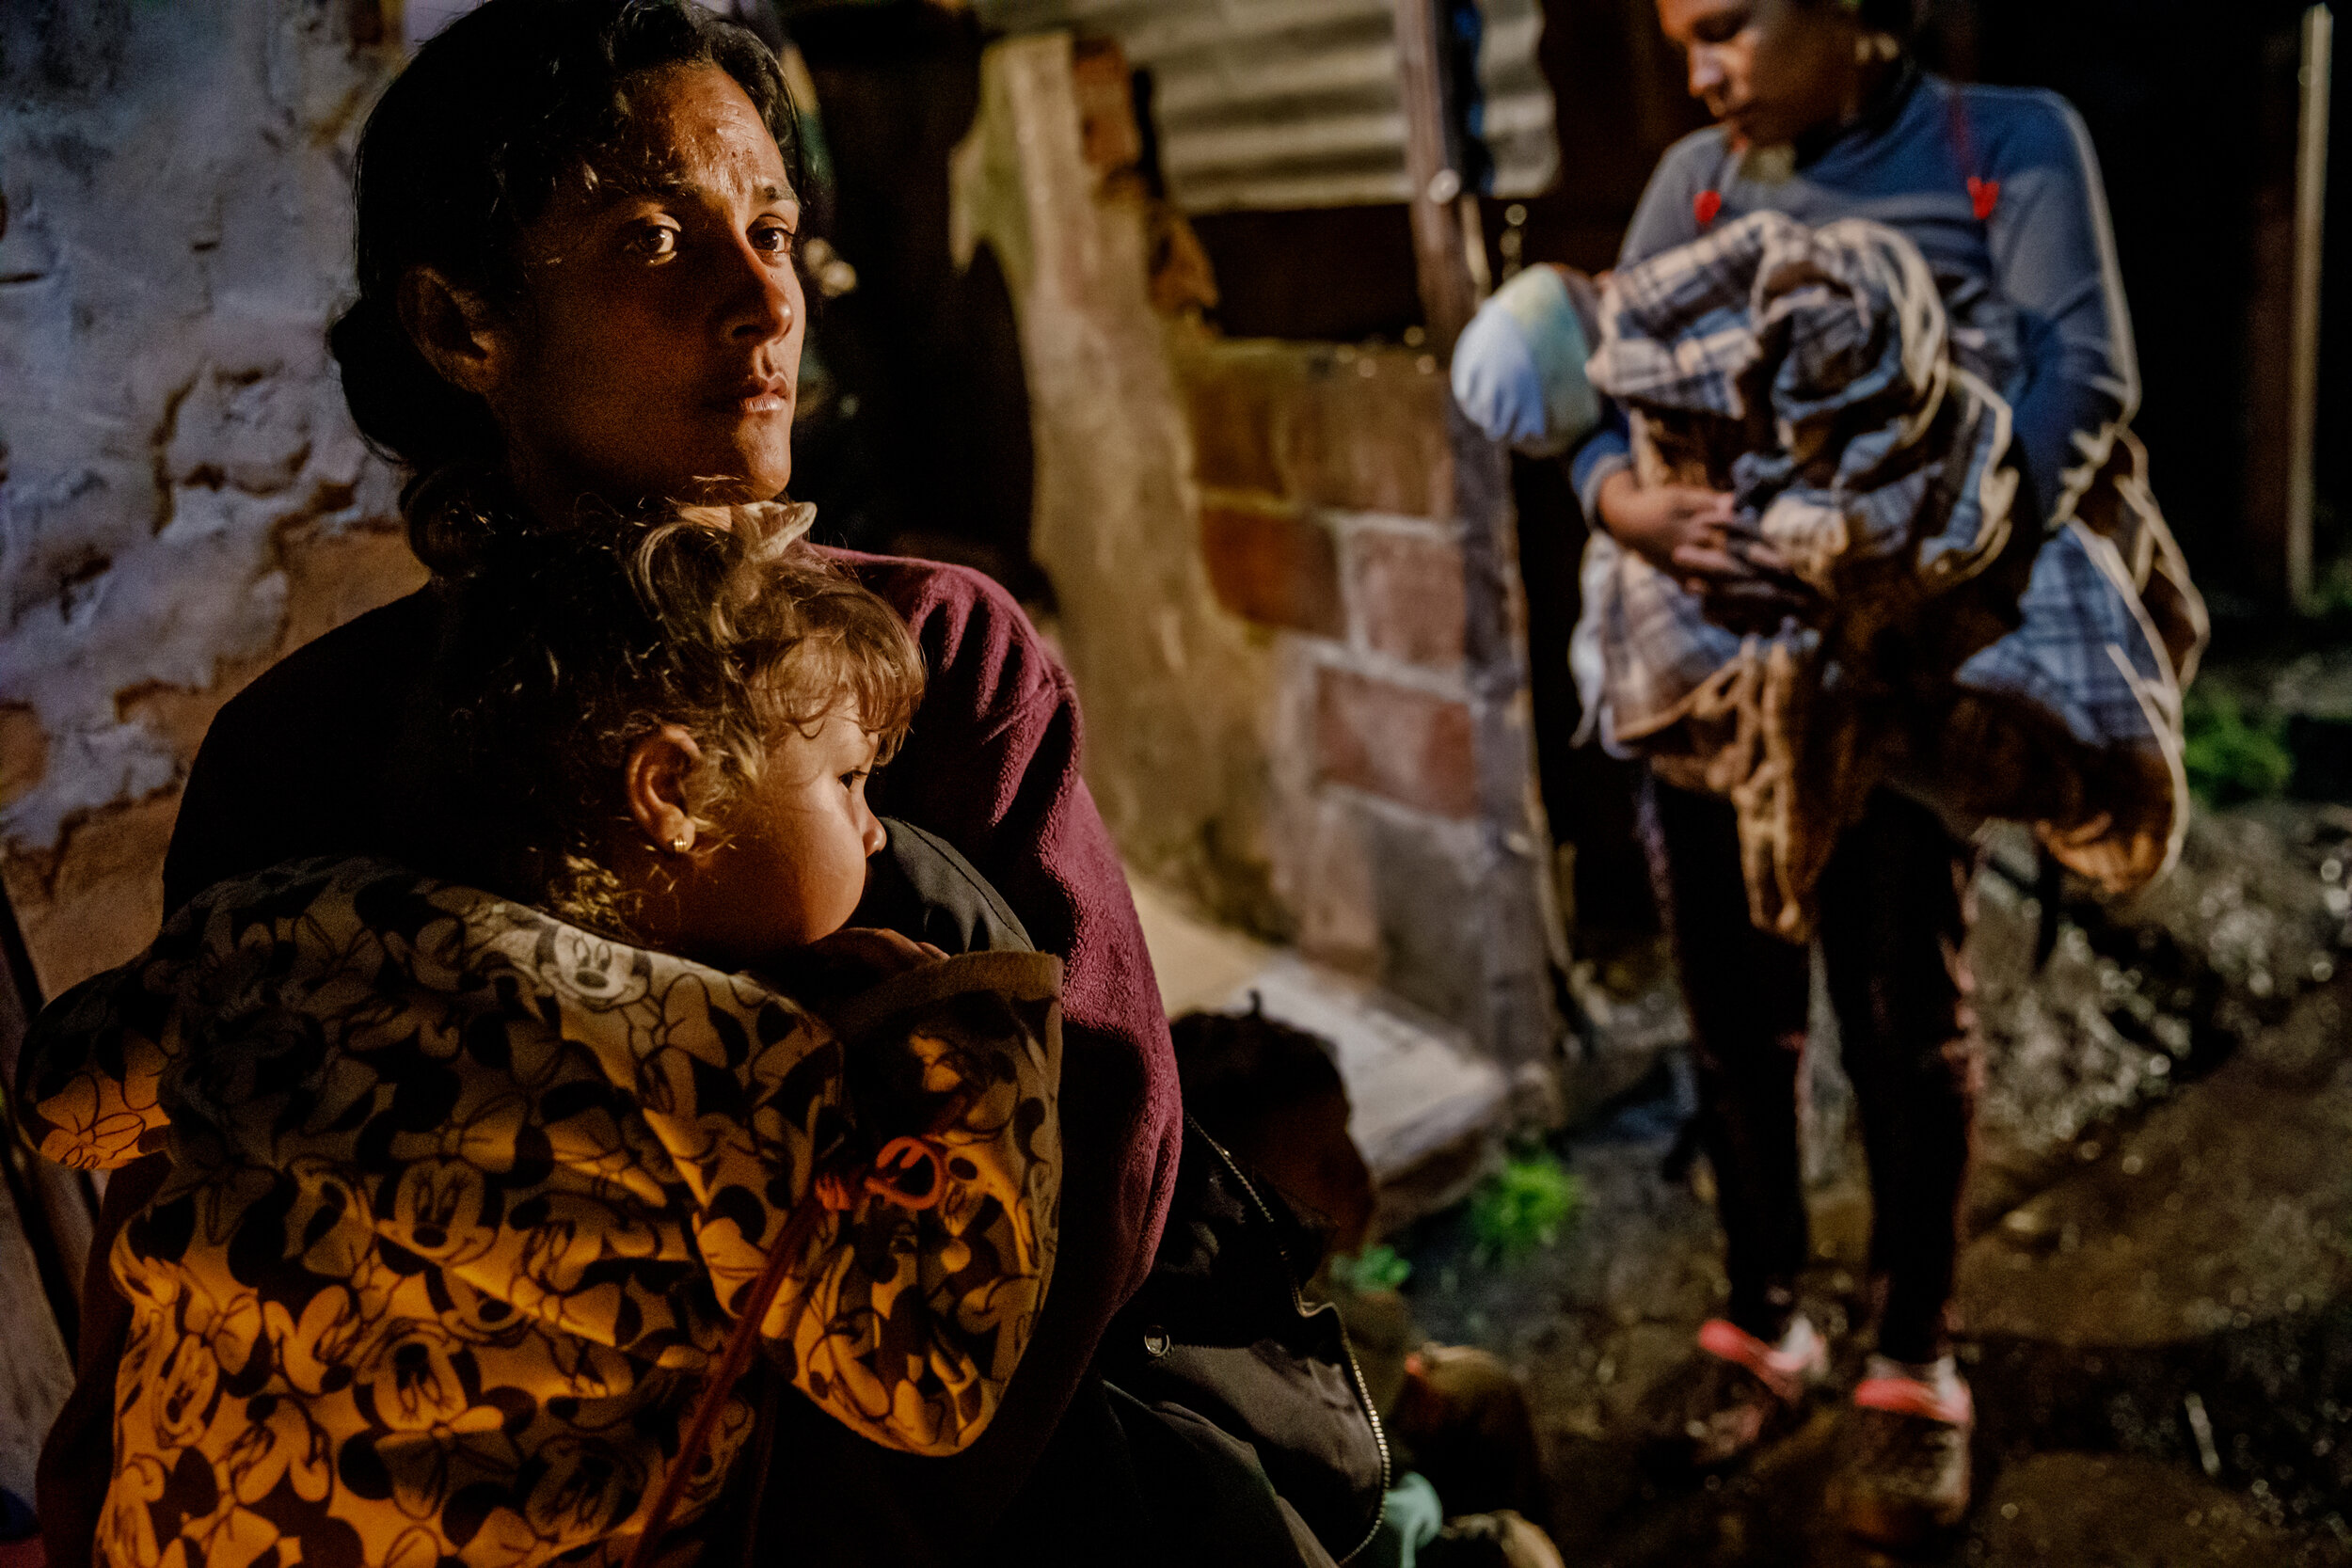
1708, 204
1983, 195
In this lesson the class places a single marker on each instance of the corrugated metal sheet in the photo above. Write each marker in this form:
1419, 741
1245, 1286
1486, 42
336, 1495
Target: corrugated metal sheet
1284, 104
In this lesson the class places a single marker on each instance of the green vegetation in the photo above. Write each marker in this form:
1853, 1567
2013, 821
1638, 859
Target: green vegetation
2331, 595
1380, 1268
1521, 1207
2228, 759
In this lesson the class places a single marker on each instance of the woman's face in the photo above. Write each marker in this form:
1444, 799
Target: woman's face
1768, 70
657, 349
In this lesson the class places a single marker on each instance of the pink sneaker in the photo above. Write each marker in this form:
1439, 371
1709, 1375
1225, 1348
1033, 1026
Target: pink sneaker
1736, 1394
1903, 1471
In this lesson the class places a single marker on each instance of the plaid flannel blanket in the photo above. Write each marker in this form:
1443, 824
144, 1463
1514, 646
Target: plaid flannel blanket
1816, 375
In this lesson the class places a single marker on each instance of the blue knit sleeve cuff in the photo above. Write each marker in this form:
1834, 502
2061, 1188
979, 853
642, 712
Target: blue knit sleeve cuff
1610, 451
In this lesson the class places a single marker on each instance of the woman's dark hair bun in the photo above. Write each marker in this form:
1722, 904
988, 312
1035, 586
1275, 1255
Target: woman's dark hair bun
463, 520
464, 150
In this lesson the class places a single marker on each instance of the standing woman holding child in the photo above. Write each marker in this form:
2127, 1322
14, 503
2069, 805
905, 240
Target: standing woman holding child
578, 304
1823, 116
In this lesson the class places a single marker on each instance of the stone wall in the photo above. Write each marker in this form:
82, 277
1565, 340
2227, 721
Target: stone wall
184, 499
1278, 589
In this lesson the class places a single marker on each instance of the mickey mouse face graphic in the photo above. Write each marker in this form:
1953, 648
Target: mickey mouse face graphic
440, 1211
183, 1391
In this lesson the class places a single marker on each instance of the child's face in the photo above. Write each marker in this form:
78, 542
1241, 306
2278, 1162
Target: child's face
789, 866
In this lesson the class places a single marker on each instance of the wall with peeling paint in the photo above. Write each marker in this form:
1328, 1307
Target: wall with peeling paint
183, 499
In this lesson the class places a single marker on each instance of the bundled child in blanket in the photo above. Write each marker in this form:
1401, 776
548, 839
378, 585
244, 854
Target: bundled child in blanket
474, 1173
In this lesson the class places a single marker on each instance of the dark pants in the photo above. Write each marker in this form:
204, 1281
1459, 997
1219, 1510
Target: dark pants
1895, 909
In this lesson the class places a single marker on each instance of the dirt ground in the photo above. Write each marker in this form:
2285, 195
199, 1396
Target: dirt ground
2156, 1300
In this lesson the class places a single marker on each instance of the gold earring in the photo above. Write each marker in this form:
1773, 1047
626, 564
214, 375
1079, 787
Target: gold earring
685, 839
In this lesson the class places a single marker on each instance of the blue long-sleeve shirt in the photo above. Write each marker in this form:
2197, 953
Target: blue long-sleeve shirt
2046, 249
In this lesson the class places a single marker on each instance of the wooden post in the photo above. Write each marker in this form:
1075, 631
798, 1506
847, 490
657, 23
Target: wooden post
1525, 937
1431, 167
2311, 224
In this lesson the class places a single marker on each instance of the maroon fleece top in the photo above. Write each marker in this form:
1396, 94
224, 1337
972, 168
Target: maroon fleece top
296, 765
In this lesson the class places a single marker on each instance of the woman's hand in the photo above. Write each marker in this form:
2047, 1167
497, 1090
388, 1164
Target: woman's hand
1658, 523
1691, 534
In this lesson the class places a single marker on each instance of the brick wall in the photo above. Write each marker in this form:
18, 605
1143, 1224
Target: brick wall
1330, 517
1325, 503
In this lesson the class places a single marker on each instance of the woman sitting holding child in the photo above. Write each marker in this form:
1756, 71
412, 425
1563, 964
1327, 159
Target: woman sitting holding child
466, 1196
577, 308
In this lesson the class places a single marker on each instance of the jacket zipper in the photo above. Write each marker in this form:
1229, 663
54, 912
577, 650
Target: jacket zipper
1301, 1305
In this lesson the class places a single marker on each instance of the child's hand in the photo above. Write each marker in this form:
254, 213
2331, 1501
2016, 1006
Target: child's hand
879, 953
835, 967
